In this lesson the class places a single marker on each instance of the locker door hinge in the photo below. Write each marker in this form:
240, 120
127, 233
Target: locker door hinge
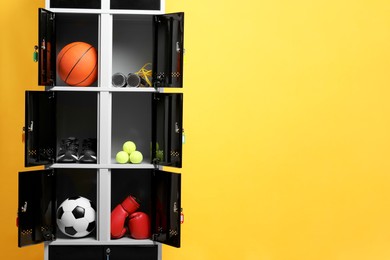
158, 82
50, 173
50, 85
156, 163
154, 237
48, 234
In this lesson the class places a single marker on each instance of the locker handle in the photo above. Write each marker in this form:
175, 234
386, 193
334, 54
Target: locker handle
29, 128
177, 128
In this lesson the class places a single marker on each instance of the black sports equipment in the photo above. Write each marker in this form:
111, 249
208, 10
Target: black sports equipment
88, 151
68, 152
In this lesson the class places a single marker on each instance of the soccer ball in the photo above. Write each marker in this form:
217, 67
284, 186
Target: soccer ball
76, 217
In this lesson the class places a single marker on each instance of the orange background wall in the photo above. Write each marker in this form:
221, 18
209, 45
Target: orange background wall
287, 128
19, 34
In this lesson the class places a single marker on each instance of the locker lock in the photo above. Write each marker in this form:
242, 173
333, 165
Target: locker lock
178, 47
177, 128
23, 209
43, 44
29, 128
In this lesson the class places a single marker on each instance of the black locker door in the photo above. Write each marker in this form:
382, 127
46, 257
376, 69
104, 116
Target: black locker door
39, 128
46, 47
88, 4
135, 4
168, 50
167, 129
167, 208
112, 252
131, 252
89, 252
36, 207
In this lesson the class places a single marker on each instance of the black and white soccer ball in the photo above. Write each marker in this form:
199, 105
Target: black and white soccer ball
76, 217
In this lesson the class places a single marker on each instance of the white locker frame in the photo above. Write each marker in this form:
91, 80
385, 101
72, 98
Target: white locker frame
104, 164
105, 9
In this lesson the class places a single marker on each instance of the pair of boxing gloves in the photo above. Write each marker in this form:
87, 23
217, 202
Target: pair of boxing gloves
138, 222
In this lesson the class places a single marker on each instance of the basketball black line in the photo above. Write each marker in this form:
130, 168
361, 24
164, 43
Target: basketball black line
88, 75
77, 63
59, 62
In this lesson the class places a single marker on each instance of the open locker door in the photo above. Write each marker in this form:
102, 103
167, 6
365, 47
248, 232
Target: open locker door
40, 128
46, 47
36, 209
168, 50
167, 130
167, 208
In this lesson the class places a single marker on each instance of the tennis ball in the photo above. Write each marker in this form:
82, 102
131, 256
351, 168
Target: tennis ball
157, 146
122, 157
129, 147
136, 157
160, 155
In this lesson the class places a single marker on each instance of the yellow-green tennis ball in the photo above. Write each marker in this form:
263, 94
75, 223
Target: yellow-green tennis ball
122, 157
136, 157
160, 154
129, 147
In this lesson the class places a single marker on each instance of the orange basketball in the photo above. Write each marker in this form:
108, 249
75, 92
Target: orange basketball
77, 64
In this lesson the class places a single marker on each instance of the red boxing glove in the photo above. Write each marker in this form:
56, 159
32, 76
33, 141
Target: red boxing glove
119, 215
139, 225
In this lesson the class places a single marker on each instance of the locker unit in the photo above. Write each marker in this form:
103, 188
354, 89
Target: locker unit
128, 36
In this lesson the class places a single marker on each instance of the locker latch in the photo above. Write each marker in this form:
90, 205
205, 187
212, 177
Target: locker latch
29, 128
108, 252
177, 128
24, 207
43, 44
178, 49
